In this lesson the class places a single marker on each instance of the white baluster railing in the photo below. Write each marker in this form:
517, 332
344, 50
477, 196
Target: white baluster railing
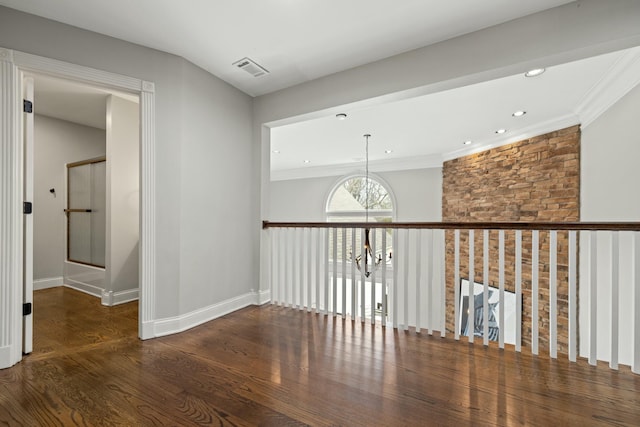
533, 266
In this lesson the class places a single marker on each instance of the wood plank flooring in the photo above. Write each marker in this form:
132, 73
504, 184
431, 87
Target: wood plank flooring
275, 366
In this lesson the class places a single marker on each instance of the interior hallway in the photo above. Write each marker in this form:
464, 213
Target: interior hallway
271, 365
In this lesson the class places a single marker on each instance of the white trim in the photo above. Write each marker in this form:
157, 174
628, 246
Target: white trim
190, 320
110, 298
526, 133
11, 217
92, 290
621, 78
27, 61
51, 282
264, 297
11, 269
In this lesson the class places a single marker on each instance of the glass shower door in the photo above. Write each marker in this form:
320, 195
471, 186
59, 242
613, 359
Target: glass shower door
86, 220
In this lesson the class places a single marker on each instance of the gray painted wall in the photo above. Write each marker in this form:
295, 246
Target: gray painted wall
418, 195
57, 143
188, 127
123, 195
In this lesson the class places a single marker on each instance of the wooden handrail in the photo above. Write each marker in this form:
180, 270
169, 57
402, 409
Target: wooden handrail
579, 226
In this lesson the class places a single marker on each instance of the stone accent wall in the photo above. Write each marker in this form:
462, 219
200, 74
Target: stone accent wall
537, 179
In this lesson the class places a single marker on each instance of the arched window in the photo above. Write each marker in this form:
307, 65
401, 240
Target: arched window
350, 197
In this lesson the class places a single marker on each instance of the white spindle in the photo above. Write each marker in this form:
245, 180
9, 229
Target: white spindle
363, 279
593, 298
429, 301
334, 282
282, 283
615, 284
553, 294
534, 289
309, 246
344, 273
418, 262
318, 233
383, 278
301, 257
635, 366
354, 280
518, 290
456, 285
288, 300
501, 325
405, 272
443, 284
394, 285
373, 276
294, 266
472, 305
573, 308
326, 271
485, 279
273, 234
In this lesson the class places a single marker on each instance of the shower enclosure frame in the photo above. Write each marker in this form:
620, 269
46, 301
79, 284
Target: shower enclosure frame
69, 210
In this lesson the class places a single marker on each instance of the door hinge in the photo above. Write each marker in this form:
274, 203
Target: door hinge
27, 106
26, 309
27, 208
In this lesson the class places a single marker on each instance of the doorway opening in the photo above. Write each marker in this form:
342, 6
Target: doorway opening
84, 174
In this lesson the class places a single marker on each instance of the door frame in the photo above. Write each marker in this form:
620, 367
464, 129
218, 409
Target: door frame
13, 64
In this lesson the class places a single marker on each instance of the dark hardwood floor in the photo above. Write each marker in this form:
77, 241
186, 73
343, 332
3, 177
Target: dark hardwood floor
276, 366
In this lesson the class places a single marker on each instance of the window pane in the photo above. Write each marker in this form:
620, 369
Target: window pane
355, 195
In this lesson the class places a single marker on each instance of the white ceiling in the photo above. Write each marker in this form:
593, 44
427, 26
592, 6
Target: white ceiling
296, 40
72, 101
424, 131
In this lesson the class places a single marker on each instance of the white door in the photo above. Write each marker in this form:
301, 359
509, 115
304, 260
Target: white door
27, 325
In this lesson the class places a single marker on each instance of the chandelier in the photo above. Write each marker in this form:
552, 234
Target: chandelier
368, 262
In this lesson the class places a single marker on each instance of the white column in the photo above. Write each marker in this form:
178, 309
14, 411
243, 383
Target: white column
147, 300
10, 212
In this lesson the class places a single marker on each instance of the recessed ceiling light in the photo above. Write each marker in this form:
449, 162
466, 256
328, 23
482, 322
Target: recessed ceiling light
341, 116
276, 151
501, 131
307, 161
467, 142
388, 151
519, 113
535, 72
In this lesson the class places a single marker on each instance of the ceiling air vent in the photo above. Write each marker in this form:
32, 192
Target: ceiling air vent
251, 67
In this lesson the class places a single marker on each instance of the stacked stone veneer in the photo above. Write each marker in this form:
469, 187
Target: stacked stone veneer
534, 180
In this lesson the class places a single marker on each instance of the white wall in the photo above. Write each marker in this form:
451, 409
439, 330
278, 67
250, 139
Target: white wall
609, 192
57, 143
418, 194
198, 116
123, 195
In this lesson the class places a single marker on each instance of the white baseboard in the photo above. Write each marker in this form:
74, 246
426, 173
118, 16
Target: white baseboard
84, 287
181, 323
51, 282
110, 298
5, 357
263, 297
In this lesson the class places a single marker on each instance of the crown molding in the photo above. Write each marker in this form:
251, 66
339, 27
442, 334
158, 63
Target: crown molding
619, 80
6, 55
526, 133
